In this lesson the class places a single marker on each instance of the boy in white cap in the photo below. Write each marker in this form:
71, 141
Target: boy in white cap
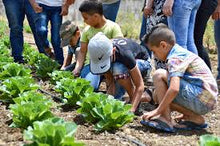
121, 60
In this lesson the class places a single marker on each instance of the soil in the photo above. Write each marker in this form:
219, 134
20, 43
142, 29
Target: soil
130, 135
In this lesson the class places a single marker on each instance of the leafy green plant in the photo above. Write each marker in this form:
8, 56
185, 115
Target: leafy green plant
58, 75
25, 113
105, 112
52, 132
73, 90
209, 140
27, 28
14, 69
13, 87
32, 96
44, 66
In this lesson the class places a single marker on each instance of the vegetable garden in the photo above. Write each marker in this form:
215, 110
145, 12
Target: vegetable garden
40, 105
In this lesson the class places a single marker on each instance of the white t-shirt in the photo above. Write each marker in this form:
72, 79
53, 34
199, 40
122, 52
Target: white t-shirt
108, 1
52, 3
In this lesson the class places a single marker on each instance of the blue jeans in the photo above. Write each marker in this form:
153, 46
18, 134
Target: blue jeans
94, 79
217, 40
118, 68
51, 14
182, 22
15, 12
206, 9
111, 10
188, 98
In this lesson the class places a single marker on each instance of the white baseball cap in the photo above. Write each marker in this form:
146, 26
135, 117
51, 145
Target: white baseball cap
100, 51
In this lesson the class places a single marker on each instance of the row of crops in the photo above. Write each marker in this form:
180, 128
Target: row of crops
31, 110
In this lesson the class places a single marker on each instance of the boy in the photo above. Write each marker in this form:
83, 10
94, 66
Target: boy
51, 10
70, 36
188, 86
122, 60
92, 13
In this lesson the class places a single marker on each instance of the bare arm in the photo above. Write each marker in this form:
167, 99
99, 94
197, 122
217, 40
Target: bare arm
80, 59
65, 7
216, 14
167, 7
67, 61
171, 93
139, 87
35, 6
148, 9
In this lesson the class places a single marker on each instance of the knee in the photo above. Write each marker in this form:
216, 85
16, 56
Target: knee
159, 75
42, 31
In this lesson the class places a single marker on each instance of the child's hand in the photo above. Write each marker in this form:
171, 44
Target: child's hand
167, 7
76, 72
216, 14
64, 10
37, 8
151, 114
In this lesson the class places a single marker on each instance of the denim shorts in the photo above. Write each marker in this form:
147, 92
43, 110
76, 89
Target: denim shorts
188, 98
143, 65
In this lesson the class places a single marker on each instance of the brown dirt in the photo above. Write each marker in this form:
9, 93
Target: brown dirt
128, 135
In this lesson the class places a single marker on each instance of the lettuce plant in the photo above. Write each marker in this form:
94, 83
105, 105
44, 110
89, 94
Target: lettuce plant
105, 112
13, 87
44, 66
14, 69
52, 132
25, 113
58, 75
209, 140
73, 90
32, 96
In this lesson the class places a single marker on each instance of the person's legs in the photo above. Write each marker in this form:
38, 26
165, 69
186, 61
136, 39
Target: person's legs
179, 20
15, 14
32, 18
217, 40
190, 39
206, 8
56, 21
94, 79
41, 26
111, 10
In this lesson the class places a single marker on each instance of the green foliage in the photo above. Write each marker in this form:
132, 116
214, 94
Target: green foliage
128, 22
25, 113
14, 69
209, 41
209, 140
52, 132
32, 96
44, 66
27, 29
58, 75
73, 89
13, 87
30, 54
105, 111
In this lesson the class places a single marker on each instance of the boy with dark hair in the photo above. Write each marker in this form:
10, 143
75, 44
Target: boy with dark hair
121, 61
70, 36
187, 86
92, 13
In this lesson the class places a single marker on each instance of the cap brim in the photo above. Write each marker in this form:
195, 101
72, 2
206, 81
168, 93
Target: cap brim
65, 42
101, 67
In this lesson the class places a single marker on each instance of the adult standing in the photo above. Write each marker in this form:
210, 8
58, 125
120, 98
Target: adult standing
15, 12
206, 9
181, 19
110, 9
